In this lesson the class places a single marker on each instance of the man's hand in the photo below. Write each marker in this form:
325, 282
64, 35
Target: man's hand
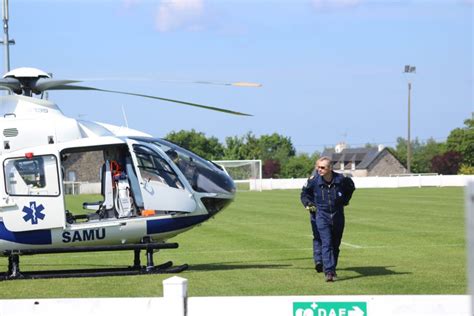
311, 208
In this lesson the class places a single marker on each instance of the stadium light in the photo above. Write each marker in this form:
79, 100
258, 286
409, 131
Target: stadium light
409, 69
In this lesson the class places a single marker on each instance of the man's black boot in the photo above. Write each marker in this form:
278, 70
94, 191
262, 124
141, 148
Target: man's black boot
318, 267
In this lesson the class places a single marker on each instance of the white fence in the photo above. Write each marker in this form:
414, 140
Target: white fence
175, 302
283, 184
75, 188
377, 182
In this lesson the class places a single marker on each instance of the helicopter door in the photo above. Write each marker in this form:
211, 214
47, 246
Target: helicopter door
161, 187
33, 193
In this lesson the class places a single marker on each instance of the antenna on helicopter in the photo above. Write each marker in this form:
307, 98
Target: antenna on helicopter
124, 116
6, 41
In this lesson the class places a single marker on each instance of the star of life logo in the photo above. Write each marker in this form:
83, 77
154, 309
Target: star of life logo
33, 213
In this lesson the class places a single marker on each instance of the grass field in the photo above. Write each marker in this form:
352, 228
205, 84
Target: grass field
397, 241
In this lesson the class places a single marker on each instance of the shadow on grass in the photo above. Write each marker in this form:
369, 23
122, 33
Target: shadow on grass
215, 266
369, 272
220, 266
223, 266
55, 265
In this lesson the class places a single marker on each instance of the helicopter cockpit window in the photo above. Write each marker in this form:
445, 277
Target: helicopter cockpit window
203, 175
155, 168
32, 176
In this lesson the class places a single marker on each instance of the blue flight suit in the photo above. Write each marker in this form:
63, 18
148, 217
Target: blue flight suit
309, 201
330, 199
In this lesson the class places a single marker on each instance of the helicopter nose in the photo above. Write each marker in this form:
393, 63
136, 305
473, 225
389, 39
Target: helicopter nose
215, 205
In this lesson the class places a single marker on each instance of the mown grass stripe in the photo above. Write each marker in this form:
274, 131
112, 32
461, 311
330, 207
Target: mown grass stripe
412, 241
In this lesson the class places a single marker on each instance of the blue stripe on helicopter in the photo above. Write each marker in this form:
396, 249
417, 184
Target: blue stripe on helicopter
157, 226
33, 237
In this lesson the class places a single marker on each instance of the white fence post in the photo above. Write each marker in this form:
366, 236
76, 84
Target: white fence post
175, 294
470, 238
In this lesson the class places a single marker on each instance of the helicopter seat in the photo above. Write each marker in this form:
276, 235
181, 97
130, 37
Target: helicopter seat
134, 184
106, 191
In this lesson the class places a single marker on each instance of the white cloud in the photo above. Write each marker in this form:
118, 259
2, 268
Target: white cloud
178, 14
128, 4
335, 4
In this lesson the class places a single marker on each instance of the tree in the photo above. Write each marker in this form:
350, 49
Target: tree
241, 148
465, 169
422, 153
275, 150
461, 140
272, 147
401, 150
447, 163
276, 147
209, 148
271, 169
299, 166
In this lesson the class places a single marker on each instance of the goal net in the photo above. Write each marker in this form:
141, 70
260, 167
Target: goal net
247, 174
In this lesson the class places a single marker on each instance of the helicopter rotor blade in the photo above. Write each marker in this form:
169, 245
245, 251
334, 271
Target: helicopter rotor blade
11, 84
76, 87
49, 84
218, 83
246, 84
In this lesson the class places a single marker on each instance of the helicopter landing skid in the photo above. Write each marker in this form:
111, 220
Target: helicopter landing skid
14, 273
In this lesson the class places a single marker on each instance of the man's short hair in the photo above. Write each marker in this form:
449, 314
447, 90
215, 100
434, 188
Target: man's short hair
325, 158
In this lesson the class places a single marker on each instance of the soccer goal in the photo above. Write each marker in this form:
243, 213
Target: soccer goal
247, 174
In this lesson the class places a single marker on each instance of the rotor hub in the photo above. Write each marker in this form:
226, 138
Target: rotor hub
27, 78
26, 72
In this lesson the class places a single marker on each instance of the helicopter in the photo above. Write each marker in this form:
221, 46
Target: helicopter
152, 189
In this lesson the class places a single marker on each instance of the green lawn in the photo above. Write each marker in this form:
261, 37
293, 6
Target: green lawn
397, 241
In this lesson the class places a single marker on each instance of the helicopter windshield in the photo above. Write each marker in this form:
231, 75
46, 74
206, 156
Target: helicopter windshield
156, 168
202, 174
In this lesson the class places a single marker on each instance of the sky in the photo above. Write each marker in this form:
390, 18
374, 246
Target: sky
331, 70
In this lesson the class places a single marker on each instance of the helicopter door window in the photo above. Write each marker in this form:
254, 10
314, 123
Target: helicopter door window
154, 168
32, 176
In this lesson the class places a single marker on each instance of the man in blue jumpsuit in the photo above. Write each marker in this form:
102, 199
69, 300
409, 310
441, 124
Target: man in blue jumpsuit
308, 202
328, 192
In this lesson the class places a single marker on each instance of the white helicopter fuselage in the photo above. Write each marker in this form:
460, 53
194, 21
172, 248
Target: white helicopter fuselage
151, 195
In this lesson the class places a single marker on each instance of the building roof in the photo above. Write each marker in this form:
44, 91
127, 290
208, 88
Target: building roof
362, 157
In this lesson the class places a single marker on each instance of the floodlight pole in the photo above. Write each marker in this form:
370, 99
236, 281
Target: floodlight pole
408, 138
409, 69
6, 41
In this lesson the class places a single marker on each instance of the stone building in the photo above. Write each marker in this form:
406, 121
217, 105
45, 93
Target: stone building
83, 166
364, 162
